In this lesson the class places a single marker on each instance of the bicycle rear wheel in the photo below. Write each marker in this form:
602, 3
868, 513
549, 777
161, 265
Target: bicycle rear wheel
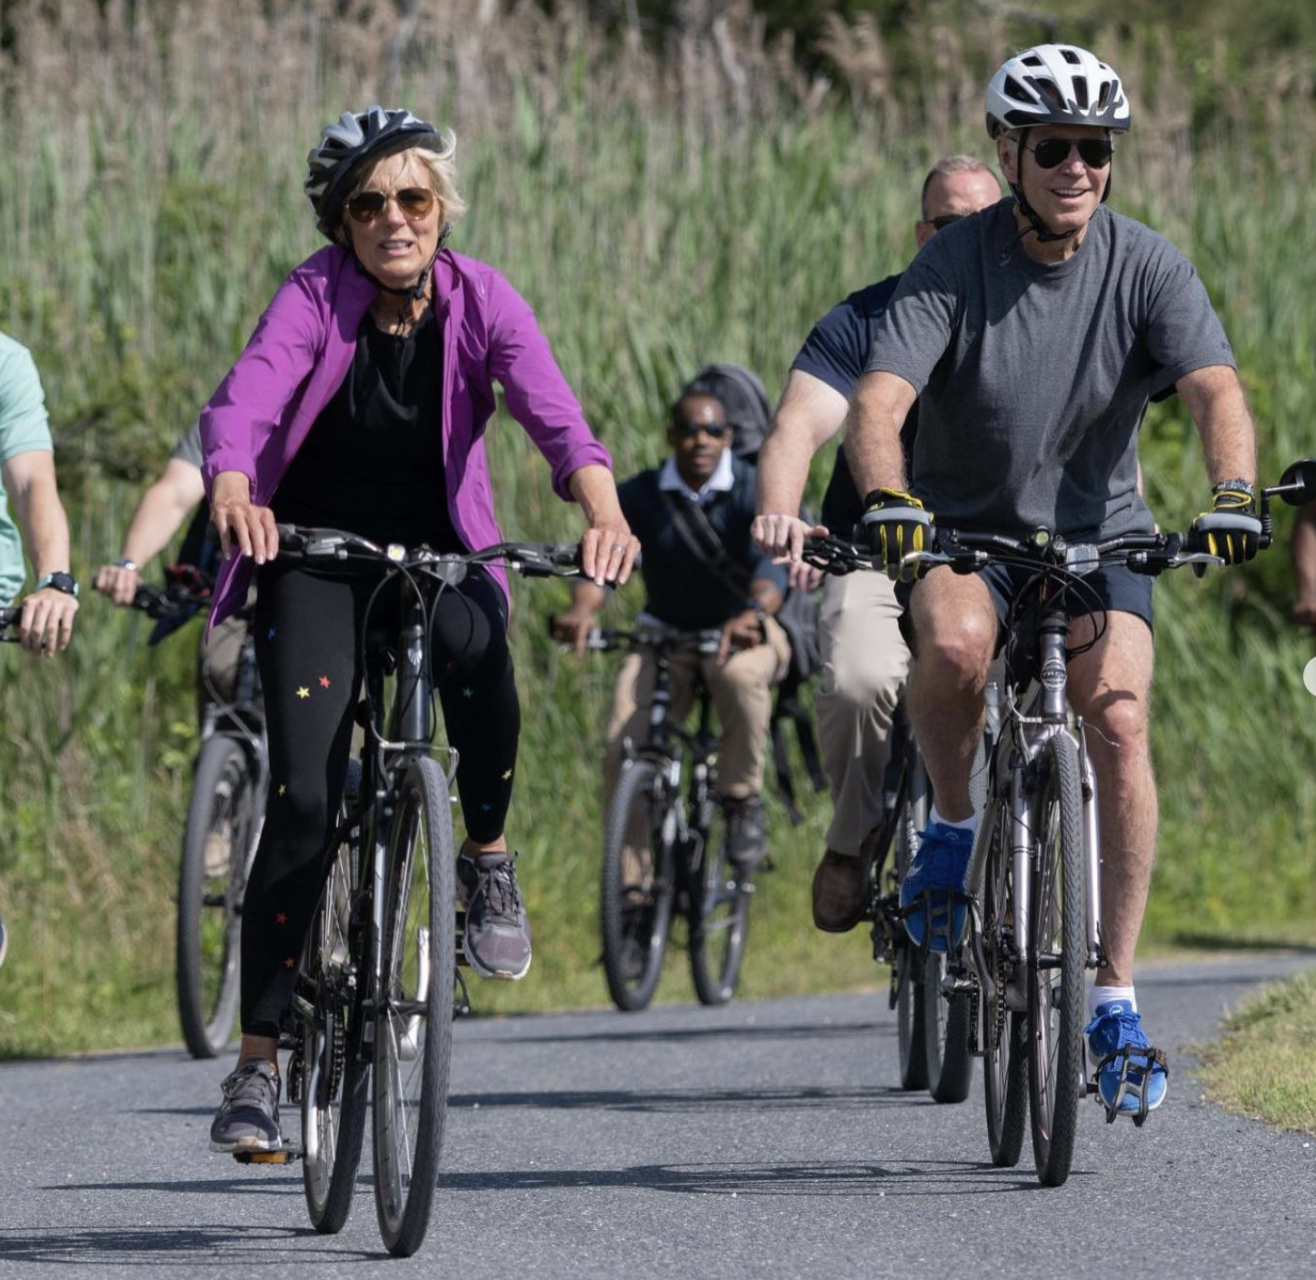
636, 889
945, 1033
907, 978
335, 1072
1004, 1033
1055, 989
221, 822
719, 915
414, 1008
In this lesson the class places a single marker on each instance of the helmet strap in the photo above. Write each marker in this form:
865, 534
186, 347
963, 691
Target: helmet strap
412, 293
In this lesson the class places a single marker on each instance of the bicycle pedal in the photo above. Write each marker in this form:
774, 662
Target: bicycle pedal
284, 1155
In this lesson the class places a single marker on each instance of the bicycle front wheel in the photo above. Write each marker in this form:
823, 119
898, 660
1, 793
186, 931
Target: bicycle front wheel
335, 1070
636, 888
1004, 1032
222, 818
908, 975
414, 1008
1059, 956
719, 915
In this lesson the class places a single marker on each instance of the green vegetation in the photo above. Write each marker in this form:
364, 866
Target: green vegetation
1262, 1065
657, 213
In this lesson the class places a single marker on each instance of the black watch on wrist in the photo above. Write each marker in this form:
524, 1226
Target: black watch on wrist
1236, 486
59, 581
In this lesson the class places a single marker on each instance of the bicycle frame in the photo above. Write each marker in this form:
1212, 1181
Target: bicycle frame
1027, 724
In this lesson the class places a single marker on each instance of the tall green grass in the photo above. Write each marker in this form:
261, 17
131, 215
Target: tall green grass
657, 213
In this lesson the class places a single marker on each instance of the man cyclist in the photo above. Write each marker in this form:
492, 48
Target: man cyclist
177, 493
864, 655
1034, 334
690, 514
27, 479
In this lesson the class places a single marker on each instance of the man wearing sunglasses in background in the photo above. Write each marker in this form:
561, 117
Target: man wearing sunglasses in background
738, 589
1034, 335
864, 655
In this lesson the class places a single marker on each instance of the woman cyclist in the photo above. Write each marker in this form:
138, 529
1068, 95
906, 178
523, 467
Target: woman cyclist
360, 403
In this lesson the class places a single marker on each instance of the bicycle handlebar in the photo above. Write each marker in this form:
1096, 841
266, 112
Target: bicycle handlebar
608, 639
8, 618
529, 559
168, 603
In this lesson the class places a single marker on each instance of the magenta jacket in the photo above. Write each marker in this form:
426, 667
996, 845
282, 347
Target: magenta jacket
303, 347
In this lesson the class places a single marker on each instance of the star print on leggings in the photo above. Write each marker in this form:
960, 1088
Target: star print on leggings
324, 682
303, 691
281, 918
290, 963
271, 633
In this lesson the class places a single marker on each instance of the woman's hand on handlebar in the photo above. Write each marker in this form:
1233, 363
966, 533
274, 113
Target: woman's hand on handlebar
244, 529
608, 550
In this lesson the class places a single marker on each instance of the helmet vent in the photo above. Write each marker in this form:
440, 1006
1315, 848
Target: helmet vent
1081, 94
1013, 89
1032, 60
1069, 55
1048, 90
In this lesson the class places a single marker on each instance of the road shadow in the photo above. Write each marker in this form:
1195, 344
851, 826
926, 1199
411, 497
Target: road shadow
181, 1249
671, 1101
631, 1029
951, 1179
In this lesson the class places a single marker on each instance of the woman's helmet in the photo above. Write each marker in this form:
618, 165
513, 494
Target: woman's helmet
354, 138
1055, 84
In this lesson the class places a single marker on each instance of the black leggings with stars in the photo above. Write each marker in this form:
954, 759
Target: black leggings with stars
307, 629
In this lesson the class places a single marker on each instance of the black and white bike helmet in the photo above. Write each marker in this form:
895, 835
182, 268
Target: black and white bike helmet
356, 137
1055, 84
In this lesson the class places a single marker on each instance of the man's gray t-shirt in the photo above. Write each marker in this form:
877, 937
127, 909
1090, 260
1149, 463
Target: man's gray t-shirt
1032, 379
188, 449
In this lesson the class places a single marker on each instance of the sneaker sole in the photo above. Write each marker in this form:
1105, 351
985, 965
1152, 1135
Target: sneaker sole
505, 975
240, 1145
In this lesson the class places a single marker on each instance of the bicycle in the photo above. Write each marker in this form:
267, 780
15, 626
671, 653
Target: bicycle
225, 814
665, 852
374, 997
1033, 885
932, 1033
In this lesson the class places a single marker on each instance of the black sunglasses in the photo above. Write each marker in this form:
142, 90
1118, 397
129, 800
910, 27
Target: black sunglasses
713, 430
943, 220
1052, 152
366, 206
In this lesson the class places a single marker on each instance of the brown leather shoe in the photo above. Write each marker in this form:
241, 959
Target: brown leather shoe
840, 892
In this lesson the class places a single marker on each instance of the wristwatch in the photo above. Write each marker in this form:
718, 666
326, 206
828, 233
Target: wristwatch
64, 582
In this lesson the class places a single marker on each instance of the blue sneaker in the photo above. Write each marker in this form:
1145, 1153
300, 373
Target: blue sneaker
939, 868
1123, 1083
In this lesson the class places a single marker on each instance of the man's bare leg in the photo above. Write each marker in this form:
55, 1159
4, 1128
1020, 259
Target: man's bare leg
955, 628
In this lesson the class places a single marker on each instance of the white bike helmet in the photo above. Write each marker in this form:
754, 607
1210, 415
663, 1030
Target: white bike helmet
1055, 84
356, 137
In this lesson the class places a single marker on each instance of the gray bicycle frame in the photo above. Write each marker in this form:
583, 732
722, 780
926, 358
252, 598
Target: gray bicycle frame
1025, 731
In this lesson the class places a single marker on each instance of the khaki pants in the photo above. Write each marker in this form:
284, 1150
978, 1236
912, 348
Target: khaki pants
865, 662
741, 690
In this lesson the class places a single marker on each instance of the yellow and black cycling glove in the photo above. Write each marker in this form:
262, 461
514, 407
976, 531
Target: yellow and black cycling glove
1231, 529
895, 524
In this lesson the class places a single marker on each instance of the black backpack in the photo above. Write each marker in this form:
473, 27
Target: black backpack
745, 399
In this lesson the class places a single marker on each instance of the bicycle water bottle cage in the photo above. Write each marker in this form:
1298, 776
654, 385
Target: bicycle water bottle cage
1128, 1087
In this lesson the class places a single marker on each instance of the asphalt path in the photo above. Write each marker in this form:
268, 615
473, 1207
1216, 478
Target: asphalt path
763, 1139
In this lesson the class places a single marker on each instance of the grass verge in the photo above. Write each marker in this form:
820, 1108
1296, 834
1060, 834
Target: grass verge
1262, 1065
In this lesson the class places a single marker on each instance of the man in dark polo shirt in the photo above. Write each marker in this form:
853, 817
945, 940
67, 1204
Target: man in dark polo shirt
687, 591
864, 657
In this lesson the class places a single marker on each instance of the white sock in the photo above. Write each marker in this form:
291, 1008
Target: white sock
969, 824
1101, 995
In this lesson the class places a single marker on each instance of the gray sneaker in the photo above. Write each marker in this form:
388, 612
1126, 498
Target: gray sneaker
747, 836
497, 941
248, 1118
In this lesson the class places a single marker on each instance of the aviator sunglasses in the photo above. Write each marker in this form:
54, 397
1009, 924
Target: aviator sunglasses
714, 430
1052, 152
366, 206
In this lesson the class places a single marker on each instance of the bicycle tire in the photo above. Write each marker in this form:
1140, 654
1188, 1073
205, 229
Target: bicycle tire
223, 811
910, 1030
945, 1034
334, 1096
1003, 1032
414, 1008
1059, 956
634, 920
718, 914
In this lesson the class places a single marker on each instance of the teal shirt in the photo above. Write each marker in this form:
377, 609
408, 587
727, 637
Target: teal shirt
23, 429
